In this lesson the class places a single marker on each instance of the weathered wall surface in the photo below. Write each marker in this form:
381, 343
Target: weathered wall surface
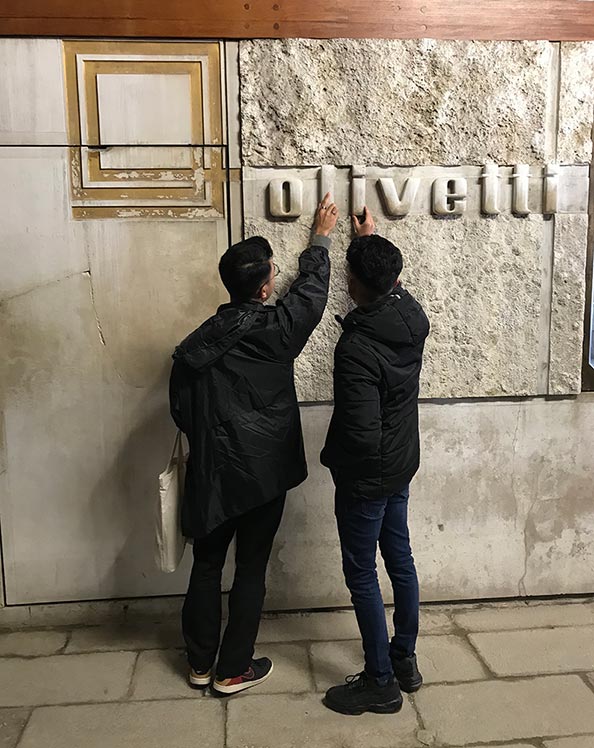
502, 506
91, 309
503, 292
89, 314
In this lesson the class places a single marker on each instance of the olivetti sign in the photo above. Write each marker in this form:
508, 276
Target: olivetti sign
284, 194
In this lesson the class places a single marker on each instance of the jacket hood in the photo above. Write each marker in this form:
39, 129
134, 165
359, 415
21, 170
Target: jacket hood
395, 320
217, 335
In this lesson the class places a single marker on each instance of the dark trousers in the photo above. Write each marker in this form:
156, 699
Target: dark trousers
361, 525
201, 615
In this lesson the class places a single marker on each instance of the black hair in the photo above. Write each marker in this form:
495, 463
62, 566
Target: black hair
375, 262
245, 267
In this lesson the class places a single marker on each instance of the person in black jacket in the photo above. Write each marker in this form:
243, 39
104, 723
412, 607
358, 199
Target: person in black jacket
372, 450
232, 393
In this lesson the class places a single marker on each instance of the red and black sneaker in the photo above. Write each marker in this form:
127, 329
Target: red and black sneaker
257, 673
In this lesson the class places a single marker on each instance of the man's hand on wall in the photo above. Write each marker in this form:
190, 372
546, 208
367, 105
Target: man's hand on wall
367, 226
326, 216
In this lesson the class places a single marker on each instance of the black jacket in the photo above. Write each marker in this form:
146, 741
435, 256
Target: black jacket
232, 393
372, 445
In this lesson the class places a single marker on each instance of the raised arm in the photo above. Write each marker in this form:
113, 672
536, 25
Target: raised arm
301, 309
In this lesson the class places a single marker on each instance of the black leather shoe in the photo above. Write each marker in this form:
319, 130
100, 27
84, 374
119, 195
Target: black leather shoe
362, 694
407, 673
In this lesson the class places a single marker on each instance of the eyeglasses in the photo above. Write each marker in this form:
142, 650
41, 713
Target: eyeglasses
276, 271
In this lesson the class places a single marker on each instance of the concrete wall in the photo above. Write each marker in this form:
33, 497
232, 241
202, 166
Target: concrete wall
98, 287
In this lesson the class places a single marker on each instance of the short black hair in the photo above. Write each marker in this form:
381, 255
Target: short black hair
375, 262
245, 267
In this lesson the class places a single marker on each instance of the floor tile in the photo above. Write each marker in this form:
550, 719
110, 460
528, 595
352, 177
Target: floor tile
138, 636
12, 722
64, 679
31, 643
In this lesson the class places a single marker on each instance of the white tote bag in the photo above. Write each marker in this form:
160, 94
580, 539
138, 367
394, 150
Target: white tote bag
171, 543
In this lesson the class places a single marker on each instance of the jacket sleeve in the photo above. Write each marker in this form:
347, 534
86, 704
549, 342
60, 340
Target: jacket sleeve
354, 439
301, 309
179, 397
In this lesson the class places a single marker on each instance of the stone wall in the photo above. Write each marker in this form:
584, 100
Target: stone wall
90, 310
504, 293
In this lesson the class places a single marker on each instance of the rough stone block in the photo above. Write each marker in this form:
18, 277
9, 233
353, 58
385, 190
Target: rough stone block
296, 721
567, 307
576, 102
424, 101
175, 724
31, 643
12, 722
112, 638
526, 616
162, 674
479, 281
502, 710
537, 651
65, 678
441, 659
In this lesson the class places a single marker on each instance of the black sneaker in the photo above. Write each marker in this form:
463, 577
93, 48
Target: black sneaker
407, 673
257, 673
362, 694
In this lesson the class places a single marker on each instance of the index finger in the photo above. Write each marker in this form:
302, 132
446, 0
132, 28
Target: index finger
325, 199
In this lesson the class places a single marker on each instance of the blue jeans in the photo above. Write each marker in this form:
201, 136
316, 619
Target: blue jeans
361, 525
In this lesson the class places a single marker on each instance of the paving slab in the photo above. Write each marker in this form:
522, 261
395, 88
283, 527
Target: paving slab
175, 724
286, 721
537, 651
146, 635
64, 679
31, 643
309, 627
488, 711
521, 616
583, 741
12, 722
162, 674
291, 672
441, 659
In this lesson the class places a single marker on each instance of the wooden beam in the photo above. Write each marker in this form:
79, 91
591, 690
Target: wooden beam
560, 20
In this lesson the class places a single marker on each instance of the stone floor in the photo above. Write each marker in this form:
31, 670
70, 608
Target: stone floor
512, 674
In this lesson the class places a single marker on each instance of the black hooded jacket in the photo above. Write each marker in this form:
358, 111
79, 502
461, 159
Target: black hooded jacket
232, 393
372, 446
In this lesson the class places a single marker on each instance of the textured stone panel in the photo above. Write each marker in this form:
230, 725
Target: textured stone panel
296, 721
176, 724
32, 110
538, 651
582, 741
479, 281
502, 710
567, 308
576, 102
62, 679
393, 102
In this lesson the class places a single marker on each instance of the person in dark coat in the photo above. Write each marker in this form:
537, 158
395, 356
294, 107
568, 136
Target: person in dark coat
372, 450
232, 393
